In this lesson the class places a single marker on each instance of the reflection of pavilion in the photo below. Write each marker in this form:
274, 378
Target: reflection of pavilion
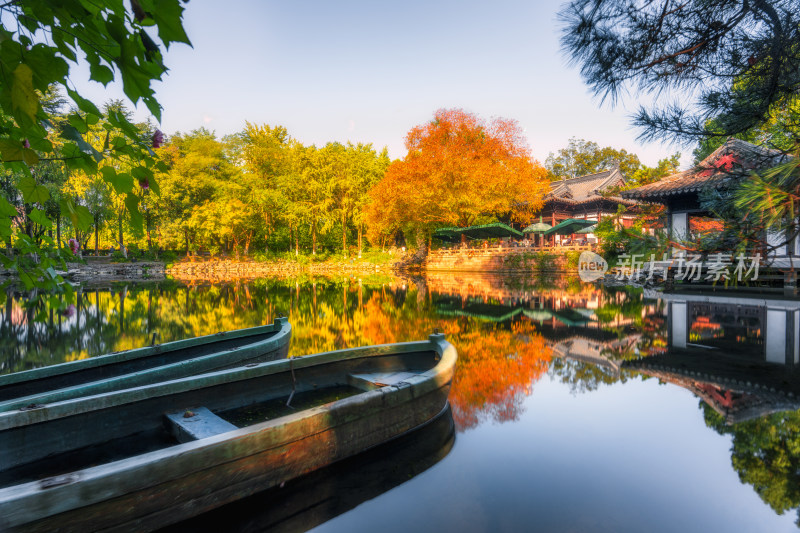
498, 299
756, 329
739, 355
596, 352
738, 391
569, 321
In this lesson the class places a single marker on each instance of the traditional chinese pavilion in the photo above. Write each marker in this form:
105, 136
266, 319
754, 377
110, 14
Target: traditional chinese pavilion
587, 197
726, 166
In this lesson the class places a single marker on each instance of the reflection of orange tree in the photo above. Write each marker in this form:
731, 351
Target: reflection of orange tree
495, 372
496, 367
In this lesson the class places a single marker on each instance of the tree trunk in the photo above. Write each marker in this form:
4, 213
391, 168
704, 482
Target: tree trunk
186, 236
360, 237
422, 250
314, 237
344, 233
58, 230
296, 243
96, 237
122, 238
9, 307
78, 306
80, 248
122, 294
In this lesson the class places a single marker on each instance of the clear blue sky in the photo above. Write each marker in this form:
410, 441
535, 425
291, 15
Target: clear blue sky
368, 71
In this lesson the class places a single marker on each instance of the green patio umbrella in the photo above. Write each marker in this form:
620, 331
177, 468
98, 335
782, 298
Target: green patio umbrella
538, 314
571, 317
569, 226
483, 231
588, 230
539, 227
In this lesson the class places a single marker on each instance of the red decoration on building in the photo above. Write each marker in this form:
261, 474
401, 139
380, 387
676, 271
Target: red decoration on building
707, 172
726, 161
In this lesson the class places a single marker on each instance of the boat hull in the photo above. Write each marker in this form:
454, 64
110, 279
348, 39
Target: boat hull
308, 501
143, 366
158, 488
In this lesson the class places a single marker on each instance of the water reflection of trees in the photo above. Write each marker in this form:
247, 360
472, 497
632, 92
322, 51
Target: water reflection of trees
505, 329
116, 317
765, 452
498, 364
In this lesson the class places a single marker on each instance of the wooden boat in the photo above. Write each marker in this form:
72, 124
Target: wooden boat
313, 499
142, 458
142, 366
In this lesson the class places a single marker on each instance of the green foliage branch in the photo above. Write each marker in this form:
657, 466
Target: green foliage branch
40, 42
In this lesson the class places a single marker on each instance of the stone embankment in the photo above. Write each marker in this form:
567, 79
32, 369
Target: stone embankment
103, 271
495, 260
223, 270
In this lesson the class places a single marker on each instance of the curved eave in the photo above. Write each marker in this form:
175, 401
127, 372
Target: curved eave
569, 201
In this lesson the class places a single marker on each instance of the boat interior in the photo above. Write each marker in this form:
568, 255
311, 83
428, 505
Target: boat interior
257, 394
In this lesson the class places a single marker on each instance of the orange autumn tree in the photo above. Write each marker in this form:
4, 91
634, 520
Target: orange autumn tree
459, 170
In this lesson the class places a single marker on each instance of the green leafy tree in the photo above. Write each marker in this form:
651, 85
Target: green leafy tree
266, 158
353, 171
92, 192
198, 168
312, 205
581, 157
644, 174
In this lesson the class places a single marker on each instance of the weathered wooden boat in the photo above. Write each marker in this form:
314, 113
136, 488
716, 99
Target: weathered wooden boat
313, 499
145, 457
142, 366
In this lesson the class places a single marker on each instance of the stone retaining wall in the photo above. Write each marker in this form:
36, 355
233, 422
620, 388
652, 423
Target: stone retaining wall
493, 260
93, 271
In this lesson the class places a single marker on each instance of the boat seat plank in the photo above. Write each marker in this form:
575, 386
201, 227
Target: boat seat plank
375, 380
202, 424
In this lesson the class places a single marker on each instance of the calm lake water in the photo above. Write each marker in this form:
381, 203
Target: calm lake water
573, 408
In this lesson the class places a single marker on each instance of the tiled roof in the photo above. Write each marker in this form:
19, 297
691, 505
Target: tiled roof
725, 165
571, 201
586, 188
